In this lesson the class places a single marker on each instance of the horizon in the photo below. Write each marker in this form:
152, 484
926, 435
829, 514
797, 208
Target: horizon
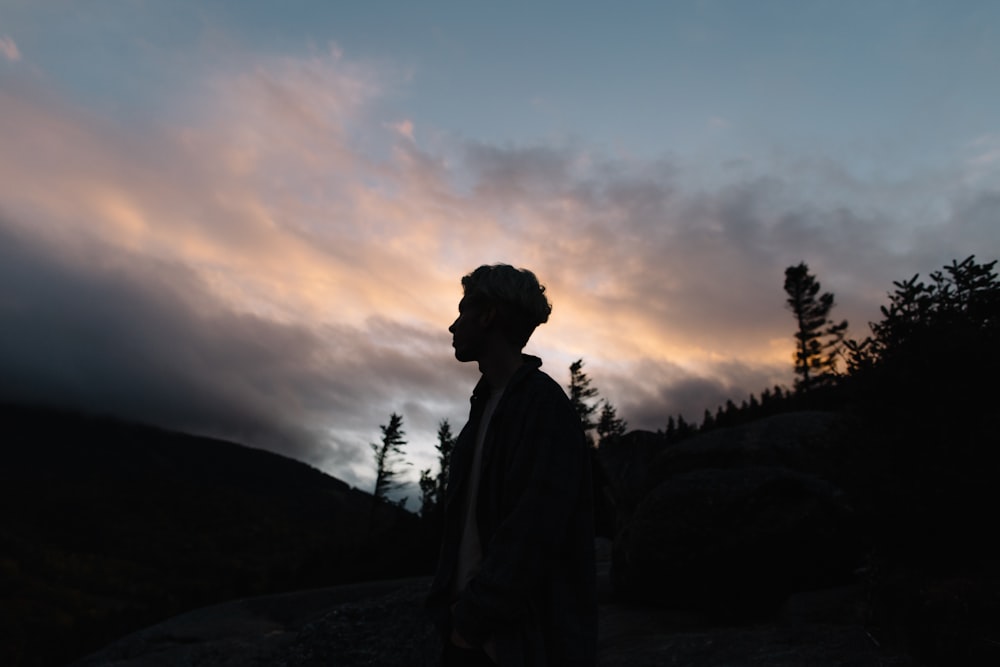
251, 222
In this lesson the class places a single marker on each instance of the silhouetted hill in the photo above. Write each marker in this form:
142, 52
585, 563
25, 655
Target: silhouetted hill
108, 526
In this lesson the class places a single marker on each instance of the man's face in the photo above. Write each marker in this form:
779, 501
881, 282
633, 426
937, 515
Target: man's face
468, 332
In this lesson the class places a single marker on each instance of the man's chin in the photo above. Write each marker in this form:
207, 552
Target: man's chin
464, 355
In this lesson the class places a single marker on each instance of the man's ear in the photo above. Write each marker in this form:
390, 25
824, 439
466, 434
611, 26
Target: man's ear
487, 316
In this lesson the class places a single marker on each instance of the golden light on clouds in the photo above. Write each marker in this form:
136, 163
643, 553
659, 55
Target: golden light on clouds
126, 224
321, 226
282, 216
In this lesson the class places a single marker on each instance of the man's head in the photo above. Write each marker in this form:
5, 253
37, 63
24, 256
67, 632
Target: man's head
503, 299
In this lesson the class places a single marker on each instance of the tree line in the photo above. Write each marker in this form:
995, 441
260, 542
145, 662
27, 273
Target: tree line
925, 322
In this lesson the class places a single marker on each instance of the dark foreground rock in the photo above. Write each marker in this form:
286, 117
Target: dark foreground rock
734, 520
735, 541
389, 629
277, 630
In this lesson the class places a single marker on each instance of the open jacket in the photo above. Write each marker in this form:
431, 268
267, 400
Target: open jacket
534, 594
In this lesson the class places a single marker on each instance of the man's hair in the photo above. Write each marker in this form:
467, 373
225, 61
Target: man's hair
515, 293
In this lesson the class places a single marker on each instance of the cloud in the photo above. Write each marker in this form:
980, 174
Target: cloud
280, 267
987, 150
103, 331
9, 49
404, 128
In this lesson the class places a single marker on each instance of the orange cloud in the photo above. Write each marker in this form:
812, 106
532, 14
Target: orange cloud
9, 49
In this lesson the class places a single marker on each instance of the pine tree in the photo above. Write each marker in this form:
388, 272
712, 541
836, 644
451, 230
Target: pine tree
729, 417
444, 447
432, 488
610, 426
428, 494
389, 457
961, 301
818, 339
708, 421
580, 392
683, 428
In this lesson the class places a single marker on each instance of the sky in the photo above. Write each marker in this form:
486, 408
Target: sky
250, 219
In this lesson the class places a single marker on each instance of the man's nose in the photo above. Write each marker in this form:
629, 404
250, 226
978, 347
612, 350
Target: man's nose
451, 329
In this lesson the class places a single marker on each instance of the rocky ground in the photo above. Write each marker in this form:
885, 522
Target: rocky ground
382, 624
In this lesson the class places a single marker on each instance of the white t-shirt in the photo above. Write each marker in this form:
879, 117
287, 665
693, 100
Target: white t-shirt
470, 550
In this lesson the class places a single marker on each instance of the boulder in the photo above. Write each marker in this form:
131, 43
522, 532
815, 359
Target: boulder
735, 541
620, 475
806, 441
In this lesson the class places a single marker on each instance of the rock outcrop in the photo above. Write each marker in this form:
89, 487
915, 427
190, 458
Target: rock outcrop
734, 541
733, 521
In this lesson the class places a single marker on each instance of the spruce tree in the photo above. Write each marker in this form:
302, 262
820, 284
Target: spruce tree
610, 426
817, 338
432, 488
389, 457
445, 444
708, 421
428, 494
683, 428
580, 392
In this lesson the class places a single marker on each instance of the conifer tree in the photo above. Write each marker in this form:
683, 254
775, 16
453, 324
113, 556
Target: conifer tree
962, 300
683, 428
389, 457
432, 488
444, 446
817, 338
580, 392
609, 425
728, 417
428, 494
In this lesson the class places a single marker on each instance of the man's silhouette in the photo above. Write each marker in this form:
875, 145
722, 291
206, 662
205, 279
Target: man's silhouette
515, 580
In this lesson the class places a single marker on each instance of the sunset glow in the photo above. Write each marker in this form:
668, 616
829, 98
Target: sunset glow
257, 229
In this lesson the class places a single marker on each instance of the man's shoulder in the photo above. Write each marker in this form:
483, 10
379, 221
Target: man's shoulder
538, 389
542, 403
540, 381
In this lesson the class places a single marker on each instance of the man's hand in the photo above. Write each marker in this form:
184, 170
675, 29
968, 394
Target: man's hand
459, 641
490, 648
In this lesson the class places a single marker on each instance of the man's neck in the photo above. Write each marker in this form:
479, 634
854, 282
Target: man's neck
498, 368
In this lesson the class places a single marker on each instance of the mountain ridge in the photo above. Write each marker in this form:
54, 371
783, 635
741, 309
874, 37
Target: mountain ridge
110, 525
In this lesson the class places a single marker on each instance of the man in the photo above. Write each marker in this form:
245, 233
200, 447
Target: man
515, 580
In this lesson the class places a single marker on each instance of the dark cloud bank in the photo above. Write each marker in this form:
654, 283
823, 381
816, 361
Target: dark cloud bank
109, 333
89, 327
